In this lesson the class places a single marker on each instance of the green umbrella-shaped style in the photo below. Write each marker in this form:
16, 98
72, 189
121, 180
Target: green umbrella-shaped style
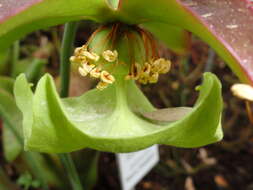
120, 118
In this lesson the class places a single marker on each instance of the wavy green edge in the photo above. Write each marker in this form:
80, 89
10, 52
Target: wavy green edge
108, 122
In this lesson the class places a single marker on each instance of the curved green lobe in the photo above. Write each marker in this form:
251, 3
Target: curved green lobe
110, 120
24, 103
225, 24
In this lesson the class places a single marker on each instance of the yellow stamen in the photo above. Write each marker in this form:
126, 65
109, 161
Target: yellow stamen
102, 85
73, 59
110, 56
85, 69
146, 69
82, 72
91, 56
143, 80
135, 71
153, 78
96, 72
165, 67
156, 65
129, 77
107, 77
78, 51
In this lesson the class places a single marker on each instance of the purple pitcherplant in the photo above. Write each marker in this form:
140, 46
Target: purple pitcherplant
119, 118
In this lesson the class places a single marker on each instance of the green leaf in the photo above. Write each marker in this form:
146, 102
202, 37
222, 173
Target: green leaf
21, 17
225, 25
88, 168
48, 166
109, 120
175, 38
12, 148
13, 144
34, 70
32, 67
9, 111
6, 83
4, 55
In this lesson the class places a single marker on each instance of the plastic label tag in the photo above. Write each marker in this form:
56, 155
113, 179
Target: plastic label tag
134, 166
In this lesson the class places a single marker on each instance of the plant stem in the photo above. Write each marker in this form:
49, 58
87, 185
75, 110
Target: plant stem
15, 57
210, 60
249, 111
66, 50
69, 166
184, 69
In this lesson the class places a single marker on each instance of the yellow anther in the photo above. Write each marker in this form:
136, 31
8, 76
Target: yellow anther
243, 91
82, 71
107, 77
156, 65
91, 56
102, 85
96, 72
128, 77
135, 71
153, 78
165, 66
85, 69
78, 51
143, 80
73, 59
110, 56
78, 59
146, 69
160, 66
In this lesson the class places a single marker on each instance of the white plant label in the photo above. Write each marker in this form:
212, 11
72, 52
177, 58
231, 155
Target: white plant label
134, 166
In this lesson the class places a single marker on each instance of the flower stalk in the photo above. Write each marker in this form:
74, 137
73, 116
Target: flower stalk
67, 43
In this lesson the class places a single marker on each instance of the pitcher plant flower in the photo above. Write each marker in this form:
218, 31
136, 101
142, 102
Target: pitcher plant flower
116, 116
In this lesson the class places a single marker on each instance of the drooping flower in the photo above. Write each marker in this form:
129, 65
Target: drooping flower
116, 116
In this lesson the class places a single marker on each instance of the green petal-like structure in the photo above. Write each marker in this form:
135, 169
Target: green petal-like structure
112, 120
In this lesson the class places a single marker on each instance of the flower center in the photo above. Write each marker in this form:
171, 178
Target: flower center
118, 51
